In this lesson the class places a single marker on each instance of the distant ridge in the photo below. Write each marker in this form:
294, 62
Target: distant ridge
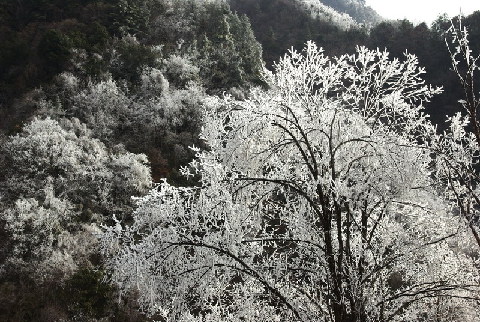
356, 9
344, 14
321, 11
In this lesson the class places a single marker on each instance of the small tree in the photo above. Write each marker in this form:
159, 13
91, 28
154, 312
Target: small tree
315, 204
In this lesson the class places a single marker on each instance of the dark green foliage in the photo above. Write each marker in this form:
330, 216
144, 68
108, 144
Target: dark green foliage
12, 50
130, 17
85, 296
473, 23
39, 39
234, 53
87, 292
221, 63
36, 38
97, 35
54, 51
21, 301
131, 57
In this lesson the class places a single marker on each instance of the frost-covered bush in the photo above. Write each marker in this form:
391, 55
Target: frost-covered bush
79, 167
152, 82
323, 12
142, 118
47, 240
104, 107
181, 70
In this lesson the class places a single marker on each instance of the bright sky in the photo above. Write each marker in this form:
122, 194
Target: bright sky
422, 10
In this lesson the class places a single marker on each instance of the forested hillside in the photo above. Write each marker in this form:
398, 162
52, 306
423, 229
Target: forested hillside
177, 160
98, 99
357, 9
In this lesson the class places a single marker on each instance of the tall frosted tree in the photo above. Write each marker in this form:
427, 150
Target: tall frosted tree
316, 202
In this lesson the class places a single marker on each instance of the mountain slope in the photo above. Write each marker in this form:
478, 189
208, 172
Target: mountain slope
344, 13
319, 10
280, 24
357, 9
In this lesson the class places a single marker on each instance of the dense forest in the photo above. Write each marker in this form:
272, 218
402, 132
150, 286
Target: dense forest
241, 160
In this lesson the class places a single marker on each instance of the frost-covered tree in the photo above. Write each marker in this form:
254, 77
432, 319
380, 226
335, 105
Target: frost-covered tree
79, 167
59, 182
458, 148
46, 239
316, 203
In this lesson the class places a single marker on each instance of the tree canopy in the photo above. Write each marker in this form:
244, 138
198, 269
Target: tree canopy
316, 203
